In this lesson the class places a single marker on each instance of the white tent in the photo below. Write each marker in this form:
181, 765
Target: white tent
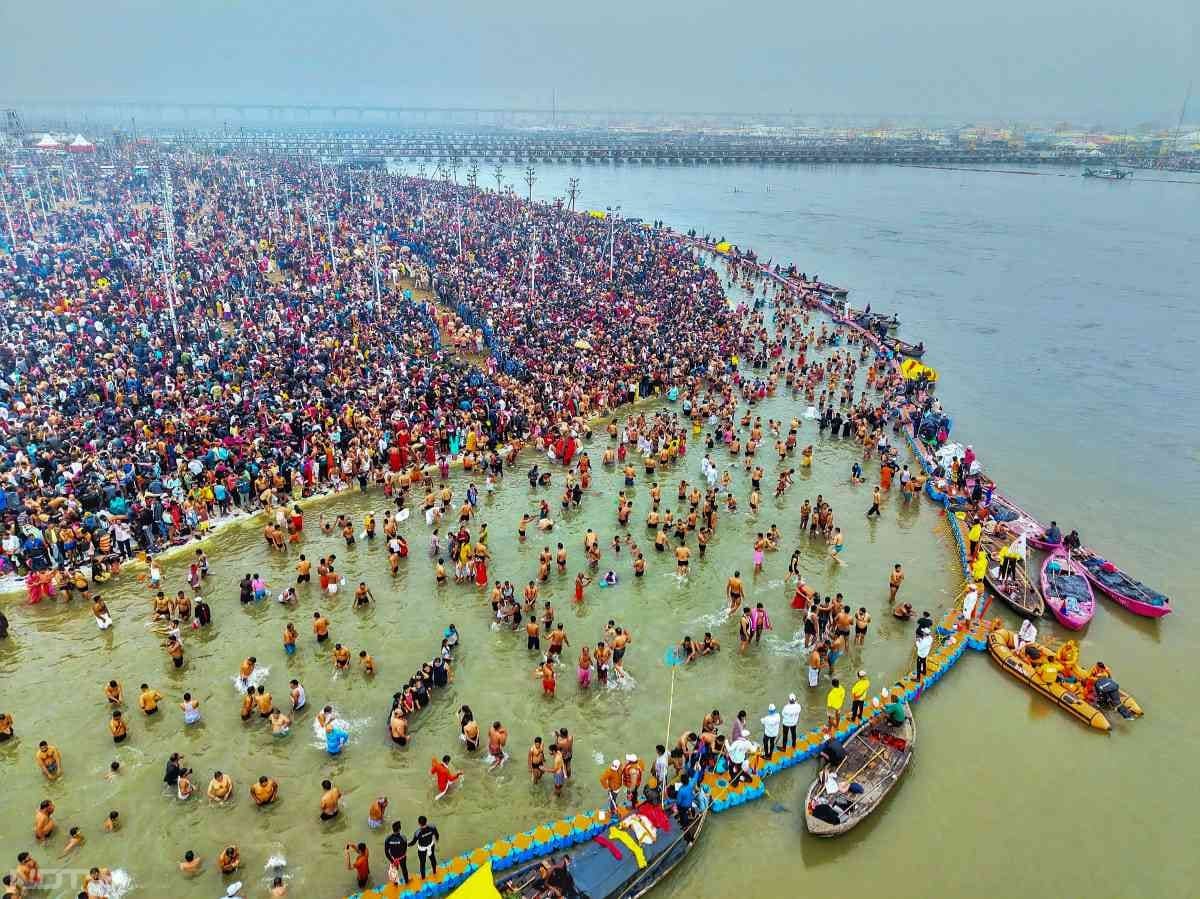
48, 142
81, 145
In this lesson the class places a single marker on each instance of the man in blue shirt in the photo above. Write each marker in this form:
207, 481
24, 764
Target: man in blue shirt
684, 795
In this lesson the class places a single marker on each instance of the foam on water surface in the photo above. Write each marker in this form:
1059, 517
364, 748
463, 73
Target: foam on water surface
353, 727
257, 677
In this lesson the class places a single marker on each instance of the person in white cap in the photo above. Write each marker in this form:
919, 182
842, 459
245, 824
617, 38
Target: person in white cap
736, 753
770, 723
632, 774
611, 780
789, 717
970, 601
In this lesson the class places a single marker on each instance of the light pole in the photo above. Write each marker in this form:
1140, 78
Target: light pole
375, 270
611, 213
168, 215
530, 177
533, 254
473, 174
498, 173
308, 223
329, 230
41, 196
572, 190
12, 235
458, 225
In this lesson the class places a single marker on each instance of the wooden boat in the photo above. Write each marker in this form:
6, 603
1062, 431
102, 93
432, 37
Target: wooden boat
904, 348
1115, 584
1121, 588
1067, 591
873, 321
877, 755
598, 874
1016, 519
1023, 669
1019, 521
1020, 593
891, 322
1038, 541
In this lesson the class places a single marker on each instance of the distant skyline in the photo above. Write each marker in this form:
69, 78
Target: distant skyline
930, 60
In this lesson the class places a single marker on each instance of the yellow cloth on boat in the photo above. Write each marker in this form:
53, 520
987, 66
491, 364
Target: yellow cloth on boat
615, 833
723, 247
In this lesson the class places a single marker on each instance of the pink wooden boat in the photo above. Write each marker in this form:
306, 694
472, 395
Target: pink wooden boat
1037, 542
1121, 588
1067, 591
1017, 520
1021, 522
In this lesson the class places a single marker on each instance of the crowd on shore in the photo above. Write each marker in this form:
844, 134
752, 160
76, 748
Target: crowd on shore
304, 361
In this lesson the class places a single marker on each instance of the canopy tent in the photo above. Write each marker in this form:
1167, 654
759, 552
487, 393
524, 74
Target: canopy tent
48, 142
81, 145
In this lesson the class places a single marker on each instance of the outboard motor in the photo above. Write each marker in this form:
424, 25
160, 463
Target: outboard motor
1108, 696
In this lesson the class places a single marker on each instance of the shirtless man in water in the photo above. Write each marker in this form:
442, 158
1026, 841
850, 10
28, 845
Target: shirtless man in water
330, 800
734, 591
220, 788
265, 789
497, 738
49, 760
537, 760
565, 744
621, 639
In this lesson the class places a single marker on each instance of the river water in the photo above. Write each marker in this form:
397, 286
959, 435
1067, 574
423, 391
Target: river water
1061, 314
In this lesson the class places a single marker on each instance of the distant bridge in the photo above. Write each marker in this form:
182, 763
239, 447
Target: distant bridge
447, 149
153, 113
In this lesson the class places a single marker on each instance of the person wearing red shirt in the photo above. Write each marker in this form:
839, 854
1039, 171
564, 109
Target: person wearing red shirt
444, 775
360, 864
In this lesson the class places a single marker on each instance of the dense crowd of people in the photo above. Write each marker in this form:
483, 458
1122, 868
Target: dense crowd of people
283, 352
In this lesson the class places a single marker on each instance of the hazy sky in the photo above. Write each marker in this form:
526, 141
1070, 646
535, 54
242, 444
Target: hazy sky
1008, 58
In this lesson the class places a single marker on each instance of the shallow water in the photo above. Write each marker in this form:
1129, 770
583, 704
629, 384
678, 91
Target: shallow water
999, 275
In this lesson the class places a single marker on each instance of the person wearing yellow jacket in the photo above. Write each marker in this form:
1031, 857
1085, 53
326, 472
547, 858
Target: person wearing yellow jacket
979, 565
1068, 660
974, 533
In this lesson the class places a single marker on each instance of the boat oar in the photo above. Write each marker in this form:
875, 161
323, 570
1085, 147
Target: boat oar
881, 751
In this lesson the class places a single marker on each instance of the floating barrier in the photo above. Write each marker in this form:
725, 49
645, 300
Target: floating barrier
959, 542
503, 854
